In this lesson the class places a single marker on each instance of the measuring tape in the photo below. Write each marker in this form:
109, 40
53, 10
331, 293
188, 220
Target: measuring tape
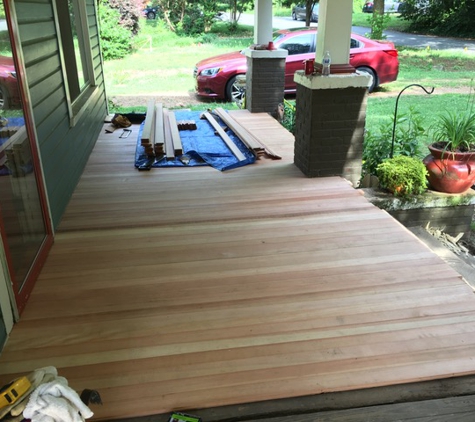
11, 392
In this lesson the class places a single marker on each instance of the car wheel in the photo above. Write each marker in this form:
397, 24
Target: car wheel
4, 101
294, 16
150, 15
235, 91
374, 78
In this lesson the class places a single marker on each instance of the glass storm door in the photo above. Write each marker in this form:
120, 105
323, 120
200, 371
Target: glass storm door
24, 229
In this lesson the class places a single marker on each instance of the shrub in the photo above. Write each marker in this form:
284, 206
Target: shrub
409, 140
193, 22
402, 175
130, 12
116, 41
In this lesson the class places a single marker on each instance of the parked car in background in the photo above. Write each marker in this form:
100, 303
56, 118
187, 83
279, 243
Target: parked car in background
9, 91
216, 77
150, 12
299, 12
390, 6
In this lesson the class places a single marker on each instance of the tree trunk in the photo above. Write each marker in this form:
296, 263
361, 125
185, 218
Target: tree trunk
308, 11
377, 22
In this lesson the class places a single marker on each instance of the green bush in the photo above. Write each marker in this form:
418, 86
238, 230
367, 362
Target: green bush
409, 140
402, 175
116, 41
193, 22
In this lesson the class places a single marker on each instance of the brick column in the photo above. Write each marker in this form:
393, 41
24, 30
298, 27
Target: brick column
329, 125
265, 79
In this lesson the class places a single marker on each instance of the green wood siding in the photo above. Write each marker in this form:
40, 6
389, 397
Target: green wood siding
64, 149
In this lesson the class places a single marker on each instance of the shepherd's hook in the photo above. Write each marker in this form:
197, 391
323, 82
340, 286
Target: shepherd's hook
395, 112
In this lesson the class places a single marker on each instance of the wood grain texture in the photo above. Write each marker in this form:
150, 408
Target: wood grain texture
188, 288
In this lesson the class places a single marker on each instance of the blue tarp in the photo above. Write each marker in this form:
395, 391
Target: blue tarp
12, 122
201, 146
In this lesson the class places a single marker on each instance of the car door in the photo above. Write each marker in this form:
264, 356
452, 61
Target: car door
300, 47
300, 11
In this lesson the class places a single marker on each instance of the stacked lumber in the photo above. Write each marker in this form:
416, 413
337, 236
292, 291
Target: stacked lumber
148, 131
224, 136
187, 125
6, 132
160, 135
254, 145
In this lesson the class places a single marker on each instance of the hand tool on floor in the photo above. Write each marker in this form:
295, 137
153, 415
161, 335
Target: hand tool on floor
11, 392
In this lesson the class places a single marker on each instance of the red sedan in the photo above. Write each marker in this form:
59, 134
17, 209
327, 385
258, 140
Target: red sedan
9, 91
216, 76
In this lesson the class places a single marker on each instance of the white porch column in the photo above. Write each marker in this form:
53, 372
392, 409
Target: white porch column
331, 110
334, 34
263, 22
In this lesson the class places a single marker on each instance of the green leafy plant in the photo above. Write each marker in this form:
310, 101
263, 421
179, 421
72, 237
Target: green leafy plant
409, 140
288, 120
378, 24
455, 132
402, 175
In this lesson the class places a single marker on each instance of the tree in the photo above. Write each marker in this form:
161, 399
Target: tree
308, 10
130, 12
236, 7
116, 40
173, 12
378, 20
443, 17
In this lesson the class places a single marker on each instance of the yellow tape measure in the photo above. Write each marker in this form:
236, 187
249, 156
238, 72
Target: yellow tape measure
11, 392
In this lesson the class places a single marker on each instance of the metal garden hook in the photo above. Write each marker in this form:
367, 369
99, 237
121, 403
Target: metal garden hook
395, 112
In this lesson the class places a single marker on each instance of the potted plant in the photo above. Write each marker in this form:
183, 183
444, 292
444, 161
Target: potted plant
451, 164
403, 176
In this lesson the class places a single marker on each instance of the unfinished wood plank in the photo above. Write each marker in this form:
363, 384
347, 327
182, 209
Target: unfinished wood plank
149, 124
177, 146
254, 144
228, 141
169, 149
159, 133
239, 130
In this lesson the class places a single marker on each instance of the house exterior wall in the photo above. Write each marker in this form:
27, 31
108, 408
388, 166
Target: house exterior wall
64, 144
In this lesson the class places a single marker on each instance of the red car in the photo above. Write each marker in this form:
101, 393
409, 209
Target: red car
9, 91
216, 76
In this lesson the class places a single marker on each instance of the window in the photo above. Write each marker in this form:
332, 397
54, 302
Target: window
300, 44
76, 53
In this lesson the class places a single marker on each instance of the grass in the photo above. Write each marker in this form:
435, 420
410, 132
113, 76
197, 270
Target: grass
167, 61
380, 110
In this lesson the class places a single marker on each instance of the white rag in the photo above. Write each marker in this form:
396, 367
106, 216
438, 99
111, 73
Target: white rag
56, 402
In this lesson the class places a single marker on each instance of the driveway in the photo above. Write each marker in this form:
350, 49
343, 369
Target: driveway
398, 38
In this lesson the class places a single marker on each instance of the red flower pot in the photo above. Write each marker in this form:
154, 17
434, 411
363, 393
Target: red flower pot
450, 172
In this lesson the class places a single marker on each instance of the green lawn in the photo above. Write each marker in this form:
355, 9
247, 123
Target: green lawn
164, 63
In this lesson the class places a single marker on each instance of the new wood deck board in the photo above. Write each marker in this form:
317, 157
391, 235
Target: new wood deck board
190, 288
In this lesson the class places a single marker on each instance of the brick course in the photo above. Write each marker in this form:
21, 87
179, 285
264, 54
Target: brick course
265, 84
329, 131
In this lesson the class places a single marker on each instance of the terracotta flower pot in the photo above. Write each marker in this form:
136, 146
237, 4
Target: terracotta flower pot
450, 172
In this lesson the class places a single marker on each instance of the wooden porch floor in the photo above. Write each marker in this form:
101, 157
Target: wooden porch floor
186, 288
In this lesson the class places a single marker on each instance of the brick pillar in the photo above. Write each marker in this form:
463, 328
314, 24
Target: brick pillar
265, 80
329, 125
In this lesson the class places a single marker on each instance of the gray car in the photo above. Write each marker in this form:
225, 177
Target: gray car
299, 13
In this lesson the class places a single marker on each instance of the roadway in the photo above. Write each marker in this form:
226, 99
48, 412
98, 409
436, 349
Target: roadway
396, 37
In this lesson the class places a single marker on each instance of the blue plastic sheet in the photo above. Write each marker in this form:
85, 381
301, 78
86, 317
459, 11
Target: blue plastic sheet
201, 147
12, 122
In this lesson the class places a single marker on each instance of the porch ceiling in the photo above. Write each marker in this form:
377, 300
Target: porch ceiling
186, 288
